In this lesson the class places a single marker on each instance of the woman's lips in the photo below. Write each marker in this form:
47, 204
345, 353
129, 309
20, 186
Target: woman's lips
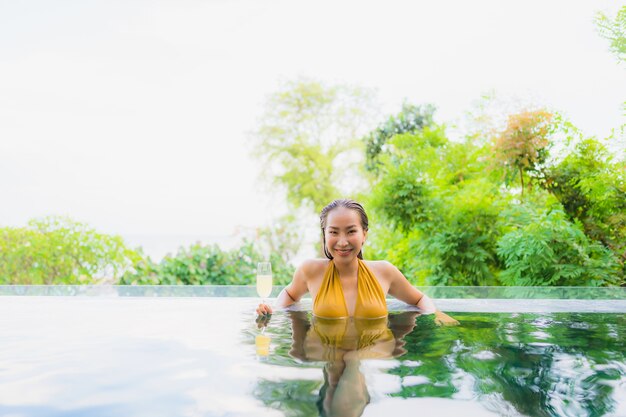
343, 252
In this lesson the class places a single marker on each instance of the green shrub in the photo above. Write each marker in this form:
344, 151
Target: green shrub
207, 265
58, 250
551, 250
449, 217
439, 200
592, 189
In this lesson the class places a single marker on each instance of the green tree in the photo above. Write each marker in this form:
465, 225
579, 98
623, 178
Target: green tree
282, 239
58, 250
592, 189
614, 30
442, 208
442, 211
411, 119
308, 140
523, 145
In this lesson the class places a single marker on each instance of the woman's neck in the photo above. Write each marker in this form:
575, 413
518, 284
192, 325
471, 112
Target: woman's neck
347, 270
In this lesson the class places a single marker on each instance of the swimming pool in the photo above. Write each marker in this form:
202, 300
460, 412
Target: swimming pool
198, 351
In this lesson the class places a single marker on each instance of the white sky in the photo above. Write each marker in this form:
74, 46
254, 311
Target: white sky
133, 115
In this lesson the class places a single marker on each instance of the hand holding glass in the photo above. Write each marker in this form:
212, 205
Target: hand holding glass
264, 280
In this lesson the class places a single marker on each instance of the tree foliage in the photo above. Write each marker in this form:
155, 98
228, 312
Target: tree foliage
58, 250
411, 119
434, 194
592, 189
614, 30
208, 265
523, 145
308, 134
551, 250
450, 218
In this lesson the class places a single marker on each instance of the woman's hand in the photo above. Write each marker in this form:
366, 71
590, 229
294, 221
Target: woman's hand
442, 319
264, 309
263, 320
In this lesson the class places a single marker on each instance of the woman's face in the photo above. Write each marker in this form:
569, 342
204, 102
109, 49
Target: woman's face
344, 234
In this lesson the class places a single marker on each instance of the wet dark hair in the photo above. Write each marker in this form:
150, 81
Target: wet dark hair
349, 204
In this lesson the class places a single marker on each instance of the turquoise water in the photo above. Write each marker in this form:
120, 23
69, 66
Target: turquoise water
102, 351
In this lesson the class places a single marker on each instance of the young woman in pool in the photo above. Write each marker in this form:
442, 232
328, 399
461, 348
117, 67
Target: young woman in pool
344, 285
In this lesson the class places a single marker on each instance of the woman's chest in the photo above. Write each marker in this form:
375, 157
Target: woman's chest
348, 289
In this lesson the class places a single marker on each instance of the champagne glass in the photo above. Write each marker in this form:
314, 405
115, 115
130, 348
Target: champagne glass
264, 280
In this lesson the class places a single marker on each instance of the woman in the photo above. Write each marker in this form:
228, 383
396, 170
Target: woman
344, 285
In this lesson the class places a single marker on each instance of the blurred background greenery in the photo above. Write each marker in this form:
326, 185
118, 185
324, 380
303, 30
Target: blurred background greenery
521, 199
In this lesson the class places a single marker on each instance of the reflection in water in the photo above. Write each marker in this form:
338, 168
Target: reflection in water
262, 343
341, 345
560, 364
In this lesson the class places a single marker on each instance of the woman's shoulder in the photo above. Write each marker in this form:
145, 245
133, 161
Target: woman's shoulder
380, 264
313, 266
381, 268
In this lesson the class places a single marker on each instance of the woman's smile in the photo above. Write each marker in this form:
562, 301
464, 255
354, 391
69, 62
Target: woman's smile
343, 252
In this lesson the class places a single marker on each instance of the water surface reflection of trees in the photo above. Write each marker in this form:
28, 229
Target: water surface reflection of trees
541, 365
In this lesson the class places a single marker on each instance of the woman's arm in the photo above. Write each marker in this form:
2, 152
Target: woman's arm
401, 288
290, 294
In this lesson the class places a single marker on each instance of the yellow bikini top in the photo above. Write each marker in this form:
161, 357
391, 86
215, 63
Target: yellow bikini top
331, 303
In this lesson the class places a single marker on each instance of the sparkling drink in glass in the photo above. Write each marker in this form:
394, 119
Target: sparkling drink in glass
264, 280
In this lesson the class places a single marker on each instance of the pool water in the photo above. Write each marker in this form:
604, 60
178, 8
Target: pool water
510, 364
209, 356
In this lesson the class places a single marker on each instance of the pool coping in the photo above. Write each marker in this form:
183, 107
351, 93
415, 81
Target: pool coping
439, 293
469, 305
